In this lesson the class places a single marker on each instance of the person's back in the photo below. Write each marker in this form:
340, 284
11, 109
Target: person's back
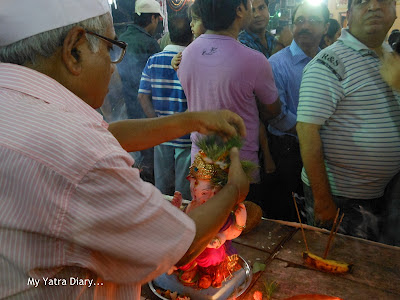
161, 94
231, 75
141, 46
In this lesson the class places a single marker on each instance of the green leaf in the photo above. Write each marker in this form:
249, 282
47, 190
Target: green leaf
257, 267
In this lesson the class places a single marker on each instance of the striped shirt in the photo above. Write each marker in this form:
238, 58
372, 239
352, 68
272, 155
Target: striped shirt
343, 91
253, 41
71, 206
160, 81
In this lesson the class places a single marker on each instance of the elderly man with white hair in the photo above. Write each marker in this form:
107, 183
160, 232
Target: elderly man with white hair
76, 220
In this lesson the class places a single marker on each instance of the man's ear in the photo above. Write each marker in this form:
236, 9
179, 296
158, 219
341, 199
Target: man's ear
70, 50
154, 19
326, 27
348, 15
327, 40
240, 10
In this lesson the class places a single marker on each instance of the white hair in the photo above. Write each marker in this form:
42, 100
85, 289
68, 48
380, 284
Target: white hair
46, 43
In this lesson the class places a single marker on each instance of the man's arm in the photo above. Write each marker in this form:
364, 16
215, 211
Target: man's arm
269, 111
212, 215
147, 105
286, 120
133, 233
313, 161
139, 134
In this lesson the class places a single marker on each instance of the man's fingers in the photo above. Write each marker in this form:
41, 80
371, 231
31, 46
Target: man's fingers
234, 154
237, 123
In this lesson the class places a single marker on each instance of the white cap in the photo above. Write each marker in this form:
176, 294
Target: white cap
20, 19
148, 6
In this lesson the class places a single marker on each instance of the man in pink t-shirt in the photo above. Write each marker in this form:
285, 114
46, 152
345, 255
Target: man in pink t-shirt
219, 72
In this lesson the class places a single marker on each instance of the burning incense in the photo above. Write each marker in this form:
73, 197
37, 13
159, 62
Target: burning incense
336, 230
301, 225
332, 234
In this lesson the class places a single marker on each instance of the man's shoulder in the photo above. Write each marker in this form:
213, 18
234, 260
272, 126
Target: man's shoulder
138, 39
332, 58
245, 37
161, 58
270, 36
281, 57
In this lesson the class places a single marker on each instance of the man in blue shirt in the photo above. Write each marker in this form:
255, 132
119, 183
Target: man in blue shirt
310, 23
161, 94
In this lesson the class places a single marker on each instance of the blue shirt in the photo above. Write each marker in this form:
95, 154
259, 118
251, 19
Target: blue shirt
252, 41
160, 80
287, 66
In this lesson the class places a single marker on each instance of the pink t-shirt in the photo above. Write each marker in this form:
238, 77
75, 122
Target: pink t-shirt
218, 72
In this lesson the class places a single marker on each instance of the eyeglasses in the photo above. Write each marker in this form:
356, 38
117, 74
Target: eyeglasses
117, 50
312, 21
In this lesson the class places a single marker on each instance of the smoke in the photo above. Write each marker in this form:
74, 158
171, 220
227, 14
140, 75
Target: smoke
369, 226
114, 108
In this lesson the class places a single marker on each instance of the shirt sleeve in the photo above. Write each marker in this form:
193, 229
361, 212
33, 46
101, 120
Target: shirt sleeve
264, 88
145, 80
286, 119
121, 227
243, 39
320, 93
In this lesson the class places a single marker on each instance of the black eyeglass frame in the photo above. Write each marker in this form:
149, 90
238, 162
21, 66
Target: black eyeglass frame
120, 44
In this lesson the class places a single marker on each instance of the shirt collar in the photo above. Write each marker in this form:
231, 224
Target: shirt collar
252, 35
40, 86
174, 48
141, 29
352, 42
297, 53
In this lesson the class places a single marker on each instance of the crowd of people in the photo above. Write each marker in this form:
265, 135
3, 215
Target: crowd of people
323, 124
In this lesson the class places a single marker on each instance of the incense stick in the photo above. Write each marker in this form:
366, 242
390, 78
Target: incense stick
301, 225
331, 234
336, 230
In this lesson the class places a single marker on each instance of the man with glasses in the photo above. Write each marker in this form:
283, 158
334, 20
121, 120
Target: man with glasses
348, 126
310, 22
76, 220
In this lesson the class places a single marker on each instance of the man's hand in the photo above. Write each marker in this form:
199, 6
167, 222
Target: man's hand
176, 60
237, 177
324, 212
222, 122
390, 69
285, 36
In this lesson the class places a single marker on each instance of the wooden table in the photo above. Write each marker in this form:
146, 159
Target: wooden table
279, 245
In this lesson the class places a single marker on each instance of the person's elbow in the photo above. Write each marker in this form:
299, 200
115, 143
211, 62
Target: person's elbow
276, 108
270, 111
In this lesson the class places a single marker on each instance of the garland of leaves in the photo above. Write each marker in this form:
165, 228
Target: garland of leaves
216, 152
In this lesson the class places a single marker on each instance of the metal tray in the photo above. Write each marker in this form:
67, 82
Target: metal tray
230, 289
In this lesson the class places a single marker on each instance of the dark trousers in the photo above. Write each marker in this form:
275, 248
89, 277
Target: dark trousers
286, 179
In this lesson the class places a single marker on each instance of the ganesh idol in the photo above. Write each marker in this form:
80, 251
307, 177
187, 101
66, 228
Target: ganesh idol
207, 175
